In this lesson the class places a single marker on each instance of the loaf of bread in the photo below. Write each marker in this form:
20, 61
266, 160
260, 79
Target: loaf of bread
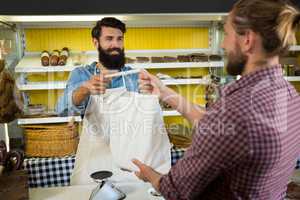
45, 58
10, 99
142, 59
155, 59
54, 58
129, 60
199, 57
170, 59
64, 54
184, 58
215, 57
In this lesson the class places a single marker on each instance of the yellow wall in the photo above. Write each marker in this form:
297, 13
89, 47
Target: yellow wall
135, 38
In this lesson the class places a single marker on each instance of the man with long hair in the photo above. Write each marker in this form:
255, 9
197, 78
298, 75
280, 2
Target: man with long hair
245, 146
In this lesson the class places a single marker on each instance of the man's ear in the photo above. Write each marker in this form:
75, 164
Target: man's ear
247, 41
95, 42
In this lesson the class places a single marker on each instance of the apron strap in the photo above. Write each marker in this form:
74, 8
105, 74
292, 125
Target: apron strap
124, 81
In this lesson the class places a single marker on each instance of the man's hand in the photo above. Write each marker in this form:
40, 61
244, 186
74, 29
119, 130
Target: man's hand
98, 83
147, 174
149, 84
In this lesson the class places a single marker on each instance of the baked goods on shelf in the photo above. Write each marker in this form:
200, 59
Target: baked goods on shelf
156, 59
184, 58
129, 60
35, 109
215, 57
45, 57
10, 98
54, 58
199, 57
140, 59
170, 59
64, 54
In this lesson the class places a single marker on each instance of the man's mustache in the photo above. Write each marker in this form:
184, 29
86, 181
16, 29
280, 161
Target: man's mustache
109, 50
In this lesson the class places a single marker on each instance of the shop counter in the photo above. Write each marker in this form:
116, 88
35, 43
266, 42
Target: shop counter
53, 172
133, 191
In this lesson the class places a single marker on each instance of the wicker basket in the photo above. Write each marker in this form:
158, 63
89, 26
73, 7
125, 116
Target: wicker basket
50, 140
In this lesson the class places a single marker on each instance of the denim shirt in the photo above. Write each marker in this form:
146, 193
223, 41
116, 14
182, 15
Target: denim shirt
79, 76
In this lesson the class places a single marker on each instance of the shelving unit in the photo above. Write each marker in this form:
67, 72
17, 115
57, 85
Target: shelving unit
31, 63
48, 120
60, 85
31, 72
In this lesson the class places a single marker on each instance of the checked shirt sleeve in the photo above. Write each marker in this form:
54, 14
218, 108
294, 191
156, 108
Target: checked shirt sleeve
219, 142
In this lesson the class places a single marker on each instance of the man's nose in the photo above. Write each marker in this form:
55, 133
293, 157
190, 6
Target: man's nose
115, 44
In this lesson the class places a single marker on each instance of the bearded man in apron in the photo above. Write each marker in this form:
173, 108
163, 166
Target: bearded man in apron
86, 90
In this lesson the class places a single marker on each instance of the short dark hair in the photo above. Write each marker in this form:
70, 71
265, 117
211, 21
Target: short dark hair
275, 20
108, 22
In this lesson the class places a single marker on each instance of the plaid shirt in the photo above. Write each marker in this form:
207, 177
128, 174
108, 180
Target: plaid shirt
245, 147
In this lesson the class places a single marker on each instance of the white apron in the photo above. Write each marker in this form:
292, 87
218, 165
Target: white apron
117, 127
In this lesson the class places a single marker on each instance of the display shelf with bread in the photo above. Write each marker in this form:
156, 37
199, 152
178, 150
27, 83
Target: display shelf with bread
31, 62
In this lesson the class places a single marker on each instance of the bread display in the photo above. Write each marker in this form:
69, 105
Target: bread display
195, 57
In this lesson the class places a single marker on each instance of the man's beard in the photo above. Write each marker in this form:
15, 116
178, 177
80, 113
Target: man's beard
109, 61
236, 62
